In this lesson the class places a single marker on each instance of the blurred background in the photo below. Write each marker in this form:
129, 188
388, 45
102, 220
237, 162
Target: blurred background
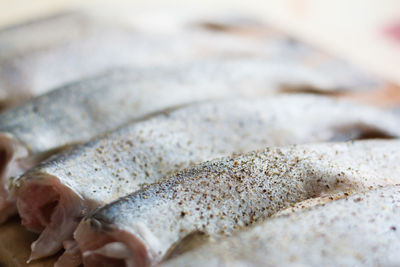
366, 32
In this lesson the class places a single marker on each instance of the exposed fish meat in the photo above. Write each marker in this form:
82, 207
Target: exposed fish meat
144, 152
220, 196
362, 230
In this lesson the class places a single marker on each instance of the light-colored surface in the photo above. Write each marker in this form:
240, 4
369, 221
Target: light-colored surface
352, 29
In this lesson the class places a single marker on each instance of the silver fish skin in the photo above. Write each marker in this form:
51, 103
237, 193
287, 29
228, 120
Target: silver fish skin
142, 153
361, 230
220, 196
82, 110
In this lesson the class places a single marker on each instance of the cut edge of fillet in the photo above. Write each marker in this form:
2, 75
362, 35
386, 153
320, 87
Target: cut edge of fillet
48, 207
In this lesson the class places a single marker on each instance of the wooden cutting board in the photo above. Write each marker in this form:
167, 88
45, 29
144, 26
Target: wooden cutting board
15, 243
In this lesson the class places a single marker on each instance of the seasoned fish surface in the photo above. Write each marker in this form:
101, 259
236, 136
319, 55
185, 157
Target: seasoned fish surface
82, 110
220, 196
142, 153
361, 230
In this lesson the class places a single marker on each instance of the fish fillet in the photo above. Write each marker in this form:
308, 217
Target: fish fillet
220, 196
361, 230
142, 153
79, 111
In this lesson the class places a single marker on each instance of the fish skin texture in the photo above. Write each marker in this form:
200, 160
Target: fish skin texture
359, 230
143, 152
81, 110
220, 196
210, 129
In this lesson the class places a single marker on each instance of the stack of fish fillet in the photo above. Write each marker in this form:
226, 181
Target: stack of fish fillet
221, 144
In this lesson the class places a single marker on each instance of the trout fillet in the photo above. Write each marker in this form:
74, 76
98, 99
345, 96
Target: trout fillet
361, 230
79, 111
142, 153
219, 196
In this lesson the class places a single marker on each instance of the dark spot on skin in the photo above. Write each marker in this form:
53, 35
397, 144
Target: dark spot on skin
359, 131
393, 228
183, 214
